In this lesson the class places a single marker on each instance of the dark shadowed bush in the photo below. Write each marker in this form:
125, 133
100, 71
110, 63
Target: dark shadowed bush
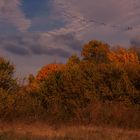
7, 80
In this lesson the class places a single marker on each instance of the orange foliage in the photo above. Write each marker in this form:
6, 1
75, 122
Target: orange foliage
48, 69
96, 50
122, 55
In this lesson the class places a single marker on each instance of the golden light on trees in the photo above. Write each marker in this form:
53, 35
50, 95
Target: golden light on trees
96, 50
48, 69
122, 55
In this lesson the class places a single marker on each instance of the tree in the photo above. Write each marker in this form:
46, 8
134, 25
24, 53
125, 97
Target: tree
96, 50
47, 70
122, 55
136, 50
74, 59
7, 81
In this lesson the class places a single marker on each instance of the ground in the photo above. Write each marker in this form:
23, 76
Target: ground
42, 131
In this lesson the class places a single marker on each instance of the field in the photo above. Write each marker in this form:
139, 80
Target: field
41, 131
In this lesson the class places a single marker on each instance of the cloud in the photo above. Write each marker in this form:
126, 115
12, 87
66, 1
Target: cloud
10, 12
107, 11
74, 21
69, 40
38, 44
120, 18
16, 50
39, 50
108, 20
135, 41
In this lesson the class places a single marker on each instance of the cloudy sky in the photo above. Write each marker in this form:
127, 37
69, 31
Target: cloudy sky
36, 32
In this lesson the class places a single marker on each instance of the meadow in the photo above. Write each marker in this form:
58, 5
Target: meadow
39, 131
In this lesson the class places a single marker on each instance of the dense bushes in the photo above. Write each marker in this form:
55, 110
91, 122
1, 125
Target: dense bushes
80, 90
103, 74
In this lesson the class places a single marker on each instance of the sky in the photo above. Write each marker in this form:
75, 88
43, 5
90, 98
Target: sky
34, 33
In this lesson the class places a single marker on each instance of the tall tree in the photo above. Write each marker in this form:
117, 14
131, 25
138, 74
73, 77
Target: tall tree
96, 51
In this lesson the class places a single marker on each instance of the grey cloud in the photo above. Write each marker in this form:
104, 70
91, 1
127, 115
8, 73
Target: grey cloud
135, 42
59, 51
16, 50
69, 40
39, 50
29, 44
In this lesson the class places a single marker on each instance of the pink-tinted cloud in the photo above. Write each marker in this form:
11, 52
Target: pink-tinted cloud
86, 18
10, 12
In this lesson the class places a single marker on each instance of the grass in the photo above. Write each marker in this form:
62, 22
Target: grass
44, 132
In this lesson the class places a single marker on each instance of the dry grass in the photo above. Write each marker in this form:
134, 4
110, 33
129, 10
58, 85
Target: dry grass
41, 131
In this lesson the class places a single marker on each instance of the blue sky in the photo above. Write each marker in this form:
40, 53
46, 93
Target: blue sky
35, 8
39, 13
36, 32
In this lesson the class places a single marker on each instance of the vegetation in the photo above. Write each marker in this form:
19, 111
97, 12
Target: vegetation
7, 81
101, 87
72, 133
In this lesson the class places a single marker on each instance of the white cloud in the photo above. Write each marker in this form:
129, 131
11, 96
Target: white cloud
75, 22
10, 12
87, 18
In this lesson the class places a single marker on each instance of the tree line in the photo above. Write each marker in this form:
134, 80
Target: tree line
91, 88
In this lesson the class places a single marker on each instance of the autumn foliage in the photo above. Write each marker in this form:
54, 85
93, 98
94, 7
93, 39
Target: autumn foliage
47, 70
96, 50
122, 55
100, 87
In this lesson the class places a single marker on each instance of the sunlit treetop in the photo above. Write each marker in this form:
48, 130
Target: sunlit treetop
101, 52
47, 70
95, 50
122, 55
